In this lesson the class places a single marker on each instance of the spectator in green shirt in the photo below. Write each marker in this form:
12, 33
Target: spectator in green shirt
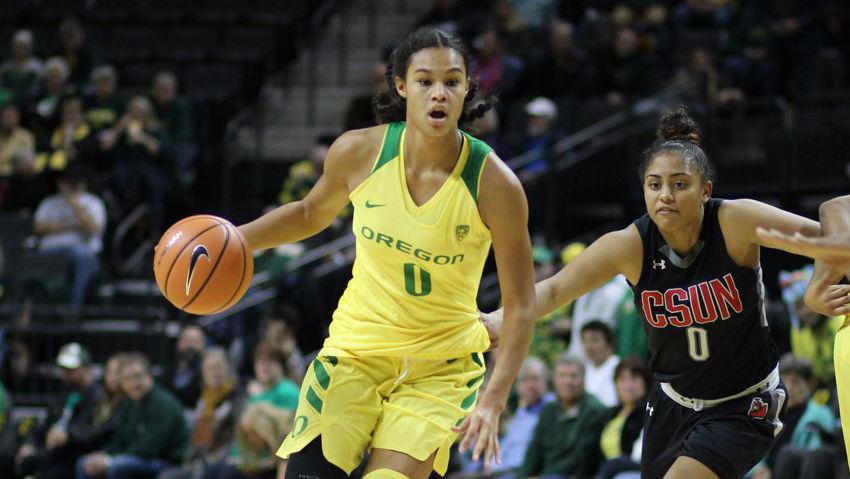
140, 171
567, 433
4, 405
178, 120
105, 107
152, 433
271, 383
22, 72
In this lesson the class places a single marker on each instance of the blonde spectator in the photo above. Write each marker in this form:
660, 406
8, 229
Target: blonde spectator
215, 416
53, 88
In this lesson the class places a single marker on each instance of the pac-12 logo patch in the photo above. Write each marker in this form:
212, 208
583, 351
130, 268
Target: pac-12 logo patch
758, 409
461, 231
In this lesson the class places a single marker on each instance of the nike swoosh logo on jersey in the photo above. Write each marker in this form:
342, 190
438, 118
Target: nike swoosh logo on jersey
199, 251
372, 205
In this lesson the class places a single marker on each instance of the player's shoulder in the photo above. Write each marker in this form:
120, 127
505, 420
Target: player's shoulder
356, 149
361, 141
497, 175
500, 192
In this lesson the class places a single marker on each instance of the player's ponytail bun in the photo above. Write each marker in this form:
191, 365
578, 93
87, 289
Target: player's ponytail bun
678, 133
677, 125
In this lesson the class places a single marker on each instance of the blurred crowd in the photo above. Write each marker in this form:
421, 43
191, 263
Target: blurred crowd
207, 415
79, 154
558, 65
576, 411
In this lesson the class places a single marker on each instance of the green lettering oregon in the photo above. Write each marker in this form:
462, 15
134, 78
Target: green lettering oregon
402, 246
424, 287
382, 238
409, 248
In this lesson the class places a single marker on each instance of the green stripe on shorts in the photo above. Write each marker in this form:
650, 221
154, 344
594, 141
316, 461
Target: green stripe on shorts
477, 358
321, 374
466, 404
473, 381
314, 399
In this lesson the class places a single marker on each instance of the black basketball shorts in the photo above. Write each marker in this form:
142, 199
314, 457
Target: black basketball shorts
729, 438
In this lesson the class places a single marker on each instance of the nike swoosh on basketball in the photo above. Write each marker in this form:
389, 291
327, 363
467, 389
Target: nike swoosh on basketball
199, 251
372, 205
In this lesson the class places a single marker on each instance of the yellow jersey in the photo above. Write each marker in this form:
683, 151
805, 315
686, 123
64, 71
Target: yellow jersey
417, 268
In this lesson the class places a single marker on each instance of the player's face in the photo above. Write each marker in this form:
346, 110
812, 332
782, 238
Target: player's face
630, 386
674, 192
435, 86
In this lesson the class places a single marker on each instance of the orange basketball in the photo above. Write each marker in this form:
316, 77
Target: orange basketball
203, 265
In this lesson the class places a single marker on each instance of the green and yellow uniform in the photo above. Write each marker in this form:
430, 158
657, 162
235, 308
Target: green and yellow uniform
403, 362
842, 378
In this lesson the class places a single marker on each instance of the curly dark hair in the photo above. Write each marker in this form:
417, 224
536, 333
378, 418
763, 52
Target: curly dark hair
390, 107
678, 132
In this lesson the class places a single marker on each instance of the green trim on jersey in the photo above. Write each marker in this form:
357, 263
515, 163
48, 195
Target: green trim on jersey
478, 151
389, 149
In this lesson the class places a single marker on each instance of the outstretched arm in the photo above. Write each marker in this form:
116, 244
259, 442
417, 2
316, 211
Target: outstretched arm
301, 219
833, 248
617, 252
504, 209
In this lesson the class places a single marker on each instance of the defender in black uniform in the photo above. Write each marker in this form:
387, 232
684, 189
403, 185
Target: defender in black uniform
693, 263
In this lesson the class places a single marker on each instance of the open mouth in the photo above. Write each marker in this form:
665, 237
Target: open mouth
437, 115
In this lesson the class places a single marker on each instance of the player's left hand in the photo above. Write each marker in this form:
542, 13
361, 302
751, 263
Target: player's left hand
480, 432
493, 324
833, 301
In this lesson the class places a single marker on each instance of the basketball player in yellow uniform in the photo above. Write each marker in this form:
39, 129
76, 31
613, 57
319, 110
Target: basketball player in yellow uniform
400, 371
832, 261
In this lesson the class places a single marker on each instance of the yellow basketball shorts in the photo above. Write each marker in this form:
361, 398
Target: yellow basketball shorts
404, 405
841, 357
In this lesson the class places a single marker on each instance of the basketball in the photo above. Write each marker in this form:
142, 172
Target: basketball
203, 264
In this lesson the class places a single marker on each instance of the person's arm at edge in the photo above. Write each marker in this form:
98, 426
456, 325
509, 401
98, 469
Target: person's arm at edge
834, 218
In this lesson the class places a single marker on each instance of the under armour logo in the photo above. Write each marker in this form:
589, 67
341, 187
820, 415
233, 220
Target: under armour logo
659, 264
649, 409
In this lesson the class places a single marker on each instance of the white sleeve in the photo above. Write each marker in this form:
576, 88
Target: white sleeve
97, 209
42, 212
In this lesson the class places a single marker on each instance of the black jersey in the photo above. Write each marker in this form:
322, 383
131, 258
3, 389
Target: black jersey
703, 314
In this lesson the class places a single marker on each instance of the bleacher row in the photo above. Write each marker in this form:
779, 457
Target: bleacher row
219, 49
